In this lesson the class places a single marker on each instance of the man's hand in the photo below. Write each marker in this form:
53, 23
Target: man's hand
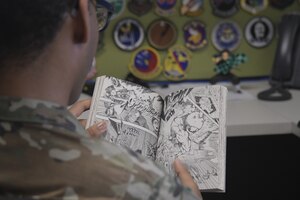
78, 108
185, 178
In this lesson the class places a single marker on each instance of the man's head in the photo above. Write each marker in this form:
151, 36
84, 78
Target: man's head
28, 26
34, 31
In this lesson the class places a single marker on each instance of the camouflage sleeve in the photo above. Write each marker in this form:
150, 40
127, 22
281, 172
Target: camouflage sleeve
43, 164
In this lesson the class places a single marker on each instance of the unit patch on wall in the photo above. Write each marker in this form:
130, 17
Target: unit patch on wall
224, 8
128, 34
191, 7
119, 7
259, 32
226, 35
254, 6
145, 63
177, 63
139, 7
161, 34
195, 35
165, 7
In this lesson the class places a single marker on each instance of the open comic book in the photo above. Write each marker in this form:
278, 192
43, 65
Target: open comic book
188, 124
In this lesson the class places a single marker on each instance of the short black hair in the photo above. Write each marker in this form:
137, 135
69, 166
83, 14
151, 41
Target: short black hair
27, 27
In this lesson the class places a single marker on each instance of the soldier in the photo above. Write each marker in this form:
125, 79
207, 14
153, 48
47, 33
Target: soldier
46, 50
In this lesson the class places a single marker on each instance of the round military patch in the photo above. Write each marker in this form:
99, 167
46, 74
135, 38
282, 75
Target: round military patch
191, 7
128, 34
194, 34
259, 32
145, 63
119, 7
226, 35
281, 4
139, 7
176, 63
165, 7
224, 8
254, 6
161, 34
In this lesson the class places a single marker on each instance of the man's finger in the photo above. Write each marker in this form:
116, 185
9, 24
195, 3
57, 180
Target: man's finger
185, 177
97, 129
80, 106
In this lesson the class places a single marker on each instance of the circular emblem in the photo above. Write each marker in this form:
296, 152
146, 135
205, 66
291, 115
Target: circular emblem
191, 7
119, 7
224, 8
145, 63
161, 34
165, 7
176, 63
254, 6
281, 4
195, 35
259, 32
226, 35
139, 7
128, 34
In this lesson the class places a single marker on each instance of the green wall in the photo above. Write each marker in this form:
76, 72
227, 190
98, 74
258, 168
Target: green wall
114, 62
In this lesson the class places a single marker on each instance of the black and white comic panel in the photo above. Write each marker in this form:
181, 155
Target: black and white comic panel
192, 129
133, 113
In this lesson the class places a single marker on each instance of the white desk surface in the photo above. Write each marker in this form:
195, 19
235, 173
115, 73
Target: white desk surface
285, 110
248, 116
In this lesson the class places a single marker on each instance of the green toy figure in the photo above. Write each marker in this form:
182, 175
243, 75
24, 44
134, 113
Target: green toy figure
225, 61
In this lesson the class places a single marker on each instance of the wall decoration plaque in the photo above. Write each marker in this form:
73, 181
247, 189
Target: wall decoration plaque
128, 34
145, 63
191, 7
226, 35
194, 33
281, 4
259, 32
165, 7
254, 6
119, 7
161, 34
224, 8
139, 7
176, 64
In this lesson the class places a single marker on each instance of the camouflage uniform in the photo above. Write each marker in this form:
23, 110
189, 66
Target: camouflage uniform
46, 154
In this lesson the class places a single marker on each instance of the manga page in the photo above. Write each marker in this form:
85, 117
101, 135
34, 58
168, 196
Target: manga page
193, 130
133, 113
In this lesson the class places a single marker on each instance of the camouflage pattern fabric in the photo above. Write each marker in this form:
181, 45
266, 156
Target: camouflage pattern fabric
46, 154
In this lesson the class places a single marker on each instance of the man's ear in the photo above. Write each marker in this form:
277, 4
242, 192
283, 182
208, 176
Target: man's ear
81, 19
